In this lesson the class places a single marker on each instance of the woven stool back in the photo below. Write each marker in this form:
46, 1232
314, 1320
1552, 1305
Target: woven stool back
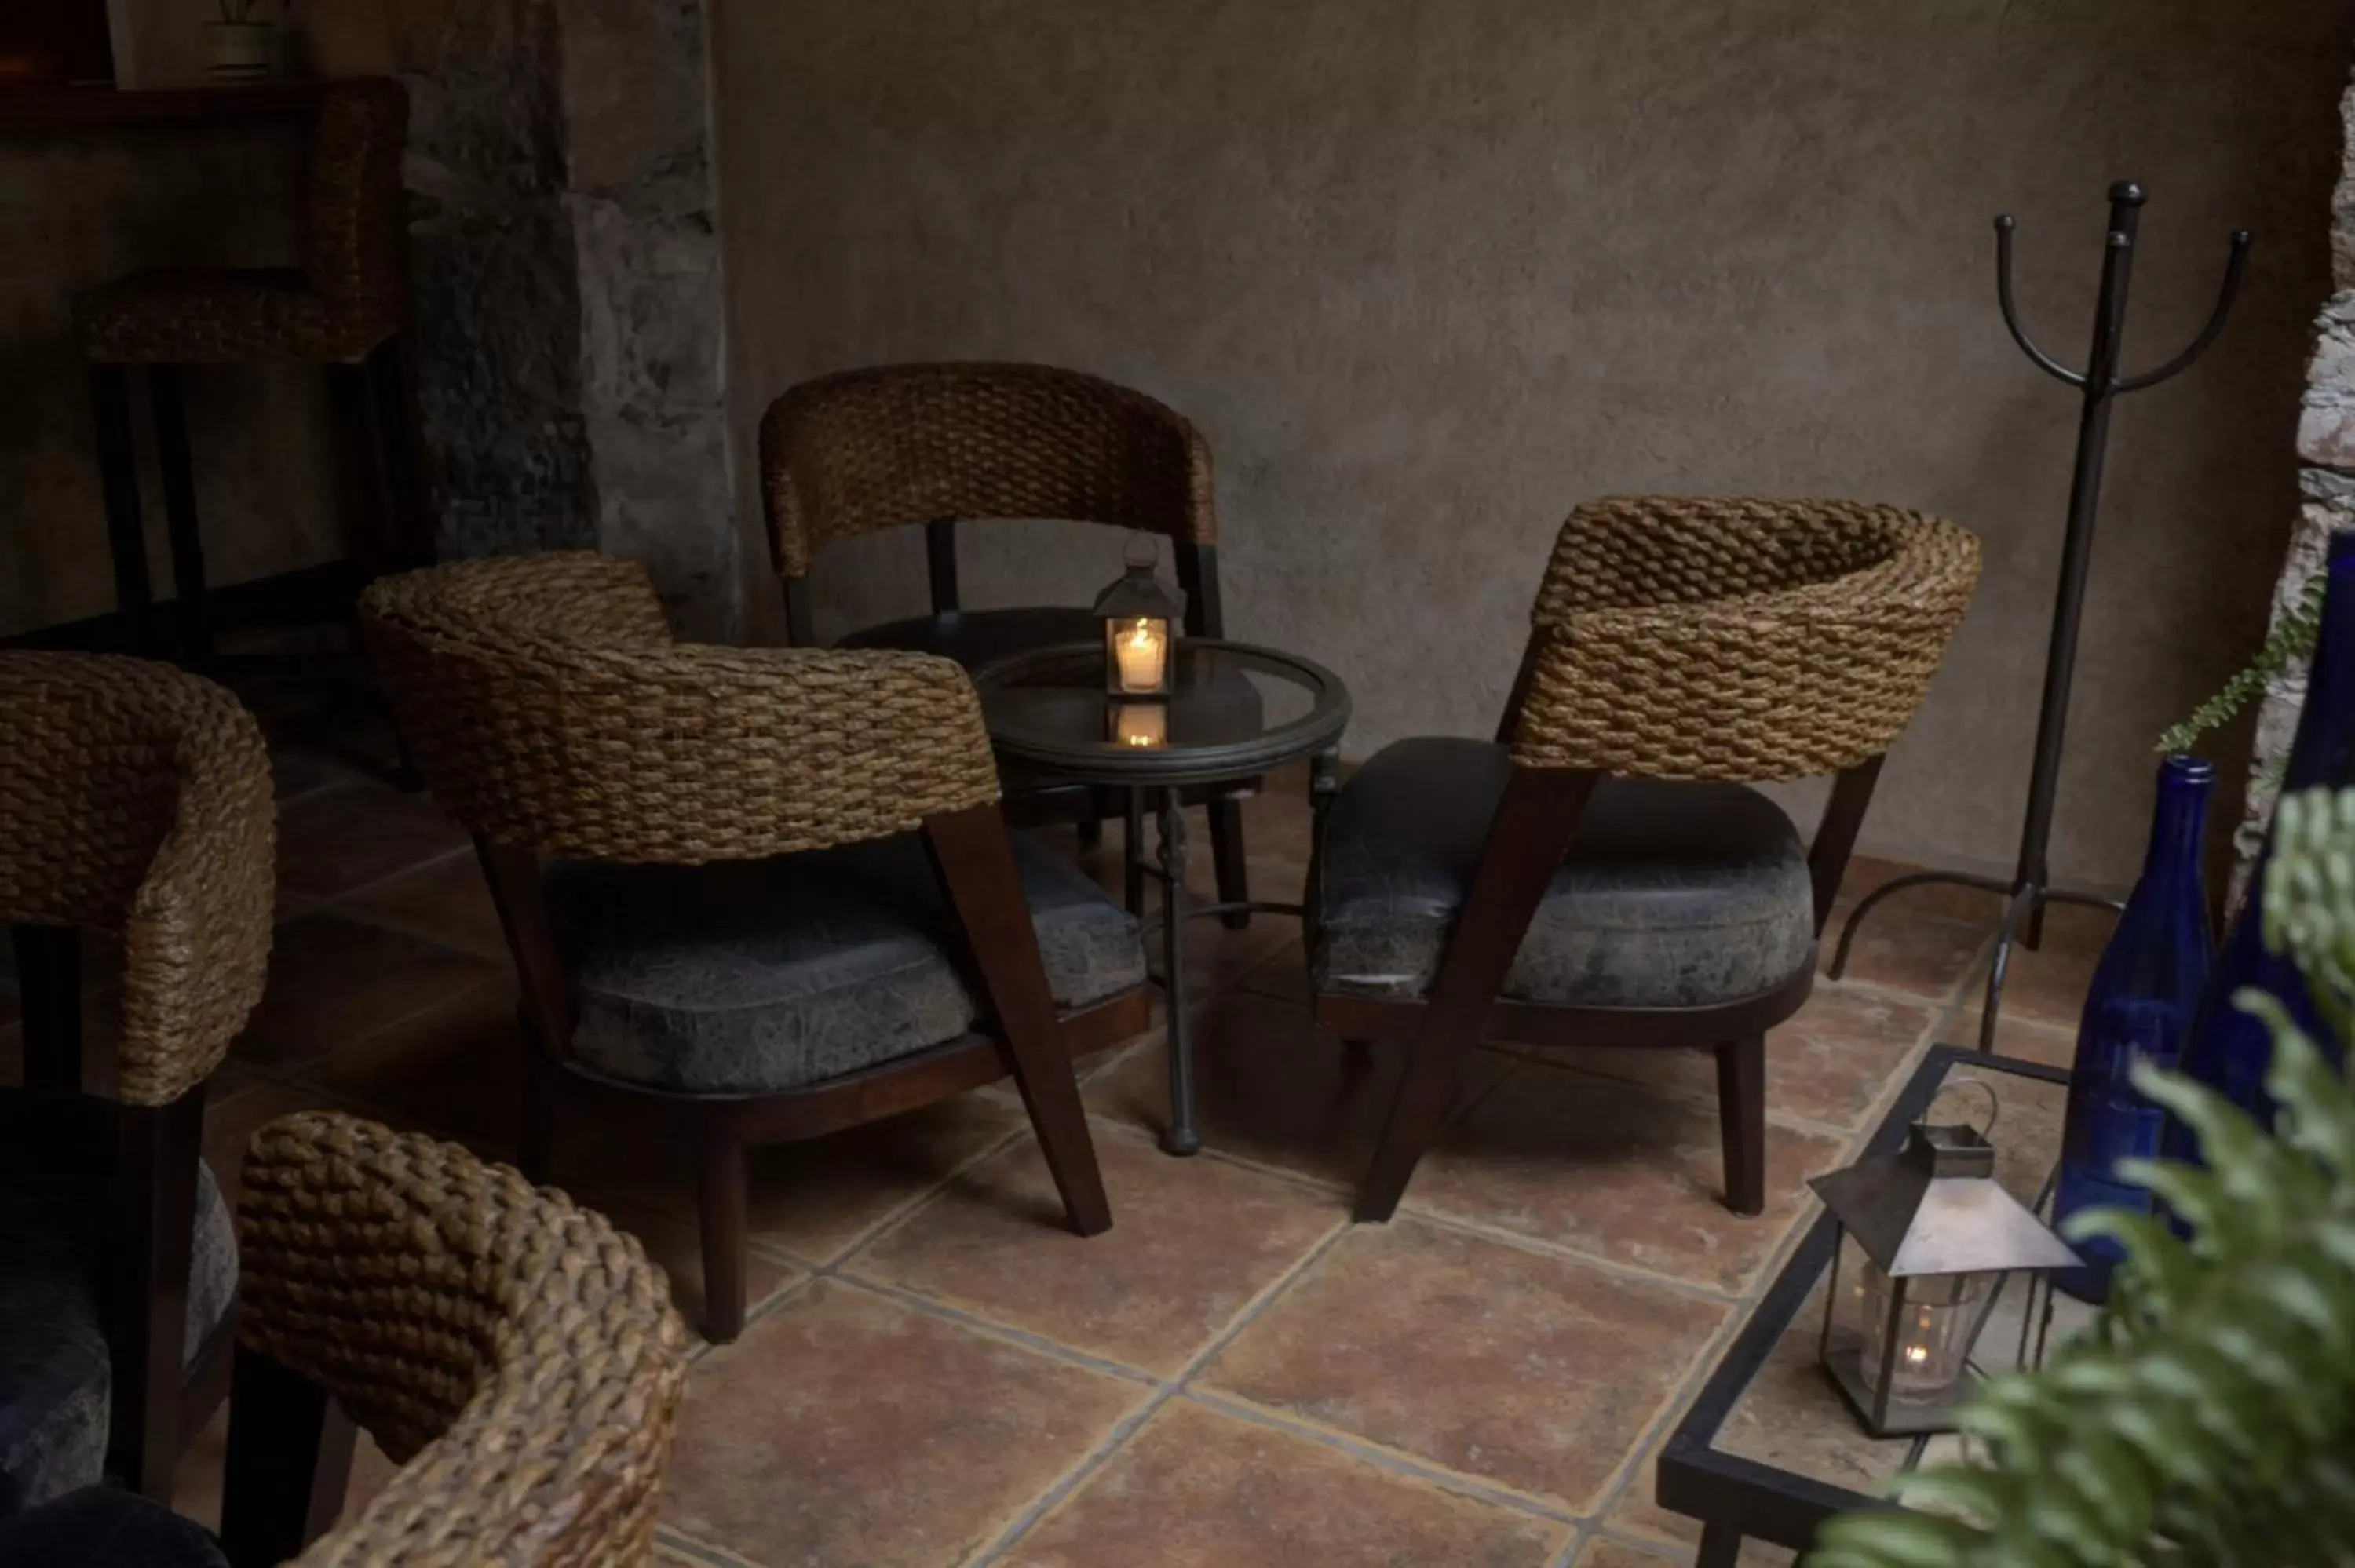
1738, 639
875, 448
517, 1355
137, 800
355, 216
549, 709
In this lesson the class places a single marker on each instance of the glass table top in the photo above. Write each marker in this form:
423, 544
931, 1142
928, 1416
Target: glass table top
1233, 710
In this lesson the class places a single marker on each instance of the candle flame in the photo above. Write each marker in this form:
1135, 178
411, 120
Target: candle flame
1916, 1354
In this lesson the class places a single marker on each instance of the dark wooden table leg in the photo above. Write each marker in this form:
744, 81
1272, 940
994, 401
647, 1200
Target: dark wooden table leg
170, 402
126, 538
1720, 1546
1180, 1136
1132, 853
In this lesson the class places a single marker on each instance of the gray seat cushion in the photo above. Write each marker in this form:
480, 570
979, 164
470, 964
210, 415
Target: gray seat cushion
106, 1527
55, 1375
768, 975
1673, 894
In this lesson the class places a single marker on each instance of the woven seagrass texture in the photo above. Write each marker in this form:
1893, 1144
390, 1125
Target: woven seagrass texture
513, 1354
547, 707
1738, 639
866, 449
347, 300
137, 800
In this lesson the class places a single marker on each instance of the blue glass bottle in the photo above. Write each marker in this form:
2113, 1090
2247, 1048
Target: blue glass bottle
2227, 1050
2145, 993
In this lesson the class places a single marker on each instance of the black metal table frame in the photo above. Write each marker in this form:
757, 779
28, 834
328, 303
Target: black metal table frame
1165, 776
1734, 1498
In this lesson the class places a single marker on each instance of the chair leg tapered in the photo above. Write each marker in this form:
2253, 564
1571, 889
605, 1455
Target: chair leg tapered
169, 399
127, 537
1741, 1113
722, 1199
1434, 1071
155, 1175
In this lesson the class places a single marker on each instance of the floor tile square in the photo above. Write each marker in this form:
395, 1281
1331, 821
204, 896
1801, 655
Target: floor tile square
2048, 985
1829, 1064
1192, 1241
335, 840
1904, 946
1603, 1552
332, 983
444, 899
1535, 1371
816, 1199
1616, 1173
845, 1428
1269, 1087
196, 1477
1207, 1491
455, 1069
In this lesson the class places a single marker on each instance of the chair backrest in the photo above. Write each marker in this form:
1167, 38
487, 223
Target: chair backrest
1736, 639
549, 709
356, 215
868, 450
136, 799
513, 1354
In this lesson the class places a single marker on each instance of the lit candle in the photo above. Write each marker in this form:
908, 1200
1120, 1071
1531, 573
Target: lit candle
1144, 725
1141, 650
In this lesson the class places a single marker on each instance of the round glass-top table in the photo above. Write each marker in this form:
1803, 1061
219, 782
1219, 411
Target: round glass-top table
1235, 713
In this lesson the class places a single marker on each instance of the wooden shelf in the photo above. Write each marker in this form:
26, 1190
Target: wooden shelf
101, 108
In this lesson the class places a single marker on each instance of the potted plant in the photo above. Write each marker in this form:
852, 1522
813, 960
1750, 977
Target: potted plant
2208, 1417
242, 42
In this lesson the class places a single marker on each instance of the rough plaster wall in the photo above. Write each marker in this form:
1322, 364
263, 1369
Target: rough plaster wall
2325, 442
1428, 271
77, 209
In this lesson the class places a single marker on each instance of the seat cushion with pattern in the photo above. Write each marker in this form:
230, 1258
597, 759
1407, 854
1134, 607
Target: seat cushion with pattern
761, 976
55, 1374
106, 1527
1672, 893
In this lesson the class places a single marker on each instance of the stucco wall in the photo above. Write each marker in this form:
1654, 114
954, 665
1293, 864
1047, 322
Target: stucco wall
1428, 271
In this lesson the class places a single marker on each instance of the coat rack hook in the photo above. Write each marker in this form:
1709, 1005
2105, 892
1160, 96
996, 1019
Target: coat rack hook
2237, 266
2004, 226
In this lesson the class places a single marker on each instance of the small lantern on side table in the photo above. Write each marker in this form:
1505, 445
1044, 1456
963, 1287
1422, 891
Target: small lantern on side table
1939, 1233
1141, 615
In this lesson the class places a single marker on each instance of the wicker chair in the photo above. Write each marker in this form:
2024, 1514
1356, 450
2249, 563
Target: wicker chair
344, 308
138, 806
1601, 875
870, 449
515, 1355
742, 932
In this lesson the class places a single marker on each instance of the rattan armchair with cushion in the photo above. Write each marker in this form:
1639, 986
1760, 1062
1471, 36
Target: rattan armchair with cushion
871, 449
1603, 874
137, 808
755, 895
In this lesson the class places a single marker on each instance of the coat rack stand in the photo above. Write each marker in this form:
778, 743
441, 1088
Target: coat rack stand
2029, 892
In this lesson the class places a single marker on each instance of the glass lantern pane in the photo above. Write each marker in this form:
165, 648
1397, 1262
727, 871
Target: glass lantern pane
1933, 1329
1138, 650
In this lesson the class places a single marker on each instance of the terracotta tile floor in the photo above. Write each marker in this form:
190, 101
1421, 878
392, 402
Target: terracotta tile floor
937, 1373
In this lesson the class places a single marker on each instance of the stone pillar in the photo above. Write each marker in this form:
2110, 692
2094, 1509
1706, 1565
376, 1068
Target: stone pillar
571, 322
2326, 446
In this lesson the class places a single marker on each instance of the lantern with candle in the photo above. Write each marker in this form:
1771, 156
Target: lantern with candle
1140, 615
1939, 1233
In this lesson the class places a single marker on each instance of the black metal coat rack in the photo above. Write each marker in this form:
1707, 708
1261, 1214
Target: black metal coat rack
2029, 890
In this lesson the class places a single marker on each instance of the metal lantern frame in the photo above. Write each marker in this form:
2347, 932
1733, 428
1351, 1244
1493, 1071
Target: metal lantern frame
1931, 1218
1136, 601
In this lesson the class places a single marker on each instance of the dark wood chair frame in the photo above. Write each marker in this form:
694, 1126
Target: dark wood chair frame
1533, 827
1198, 577
973, 852
150, 1154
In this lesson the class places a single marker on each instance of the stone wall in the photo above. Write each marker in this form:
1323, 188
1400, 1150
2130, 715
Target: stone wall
2326, 445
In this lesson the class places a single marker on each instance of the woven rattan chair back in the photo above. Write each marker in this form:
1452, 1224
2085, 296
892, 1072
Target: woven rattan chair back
1737, 639
513, 1352
870, 449
356, 219
137, 801
547, 708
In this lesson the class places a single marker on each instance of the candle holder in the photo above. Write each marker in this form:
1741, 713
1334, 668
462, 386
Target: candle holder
1939, 1234
1140, 615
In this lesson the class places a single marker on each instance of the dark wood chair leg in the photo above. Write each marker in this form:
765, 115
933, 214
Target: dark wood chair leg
1741, 1116
975, 855
722, 1199
392, 408
290, 1455
126, 535
169, 397
147, 1286
1229, 862
1434, 1071
48, 991
536, 1132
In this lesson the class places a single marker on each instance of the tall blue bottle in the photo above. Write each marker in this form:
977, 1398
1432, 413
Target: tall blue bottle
2140, 1006
2227, 1050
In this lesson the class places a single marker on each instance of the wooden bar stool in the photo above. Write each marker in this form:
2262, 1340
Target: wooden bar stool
344, 308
